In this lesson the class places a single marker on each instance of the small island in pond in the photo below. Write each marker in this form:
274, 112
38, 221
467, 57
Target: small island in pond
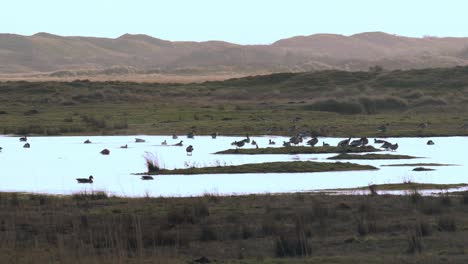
269, 167
370, 157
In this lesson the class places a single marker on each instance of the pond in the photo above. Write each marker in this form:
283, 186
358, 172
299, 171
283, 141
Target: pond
52, 164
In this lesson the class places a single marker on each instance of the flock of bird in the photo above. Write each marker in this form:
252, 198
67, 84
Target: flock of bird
294, 140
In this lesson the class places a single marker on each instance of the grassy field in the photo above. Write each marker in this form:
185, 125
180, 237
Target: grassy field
268, 167
300, 150
284, 228
426, 102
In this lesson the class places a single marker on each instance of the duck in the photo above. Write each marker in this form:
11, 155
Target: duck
27, 145
139, 140
191, 134
394, 147
85, 180
430, 142
87, 141
124, 146
286, 144
164, 143
174, 136
271, 142
386, 145
355, 143
189, 150
179, 144
147, 177
214, 135
23, 139
325, 144
105, 152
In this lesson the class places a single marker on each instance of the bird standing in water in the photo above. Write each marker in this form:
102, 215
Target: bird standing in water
189, 150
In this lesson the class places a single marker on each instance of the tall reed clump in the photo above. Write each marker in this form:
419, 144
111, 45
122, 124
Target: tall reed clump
152, 161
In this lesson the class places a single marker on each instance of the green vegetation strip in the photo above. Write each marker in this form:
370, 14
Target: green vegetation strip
406, 186
300, 150
370, 157
418, 165
272, 167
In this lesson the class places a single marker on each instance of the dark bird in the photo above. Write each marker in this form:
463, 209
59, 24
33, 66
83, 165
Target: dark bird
325, 144
214, 135
23, 138
379, 141
124, 146
253, 142
344, 143
191, 134
179, 144
312, 142
139, 140
286, 144
238, 144
27, 145
271, 142
174, 136
394, 147
382, 128
1, 148
85, 180
386, 145
355, 143
105, 152
147, 177
164, 143
430, 142
364, 141
87, 141
189, 150
246, 139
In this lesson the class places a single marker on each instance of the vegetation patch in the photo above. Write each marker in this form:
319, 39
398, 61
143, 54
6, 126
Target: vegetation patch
418, 165
422, 169
271, 167
346, 156
300, 150
405, 186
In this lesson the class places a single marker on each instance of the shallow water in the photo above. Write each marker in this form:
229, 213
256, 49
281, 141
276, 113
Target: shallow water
52, 164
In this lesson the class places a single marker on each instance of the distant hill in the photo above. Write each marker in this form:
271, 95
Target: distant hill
58, 56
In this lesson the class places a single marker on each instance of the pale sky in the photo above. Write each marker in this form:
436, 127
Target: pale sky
237, 21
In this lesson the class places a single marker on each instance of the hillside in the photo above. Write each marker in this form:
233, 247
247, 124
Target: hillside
54, 56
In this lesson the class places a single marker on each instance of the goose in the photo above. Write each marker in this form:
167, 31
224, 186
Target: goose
27, 145
364, 141
179, 144
379, 141
85, 180
355, 143
394, 147
23, 138
87, 141
189, 150
238, 144
286, 144
174, 136
430, 142
139, 140
105, 152
344, 143
164, 143
254, 142
247, 139
214, 135
124, 146
312, 142
147, 177
271, 142
386, 145
325, 144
